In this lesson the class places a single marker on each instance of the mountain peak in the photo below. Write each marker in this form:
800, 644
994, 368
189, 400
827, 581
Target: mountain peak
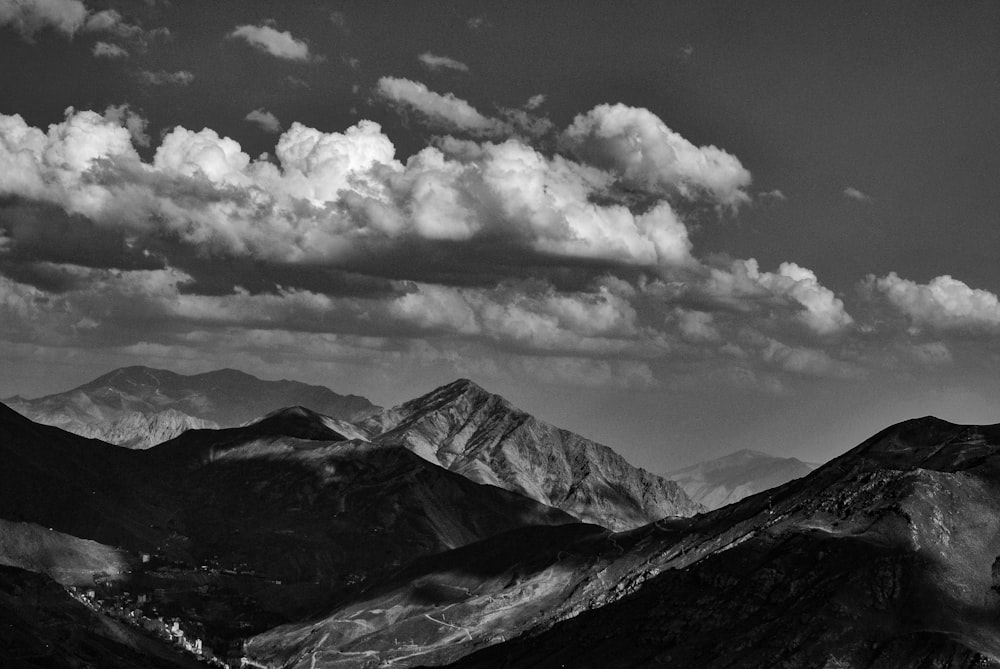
459, 389
133, 374
296, 421
463, 387
466, 429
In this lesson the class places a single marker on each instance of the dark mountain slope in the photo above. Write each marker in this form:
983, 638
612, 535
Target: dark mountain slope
882, 558
481, 436
42, 627
278, 525
314, 506
126, 405
83, 487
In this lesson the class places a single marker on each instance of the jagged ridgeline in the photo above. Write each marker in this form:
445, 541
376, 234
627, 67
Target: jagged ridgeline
446, 530
284, 518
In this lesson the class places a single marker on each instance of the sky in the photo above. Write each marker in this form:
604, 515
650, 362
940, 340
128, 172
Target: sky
678, 228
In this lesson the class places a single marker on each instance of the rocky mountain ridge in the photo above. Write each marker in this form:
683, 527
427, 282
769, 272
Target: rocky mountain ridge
884, 557
279, 518
467, 430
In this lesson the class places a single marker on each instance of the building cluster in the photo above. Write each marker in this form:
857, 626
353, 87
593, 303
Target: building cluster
133, 610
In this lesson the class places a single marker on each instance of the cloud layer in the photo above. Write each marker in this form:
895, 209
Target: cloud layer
482, 246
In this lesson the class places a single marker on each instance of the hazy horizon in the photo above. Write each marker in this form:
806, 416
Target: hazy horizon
680, 229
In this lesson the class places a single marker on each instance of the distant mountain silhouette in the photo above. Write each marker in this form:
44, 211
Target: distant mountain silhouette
716, 483
139, 407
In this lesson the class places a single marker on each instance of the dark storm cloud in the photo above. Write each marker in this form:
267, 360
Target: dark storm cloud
35, 233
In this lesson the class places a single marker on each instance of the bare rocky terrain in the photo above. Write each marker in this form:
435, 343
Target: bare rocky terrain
883, 558
468, 430
312, 541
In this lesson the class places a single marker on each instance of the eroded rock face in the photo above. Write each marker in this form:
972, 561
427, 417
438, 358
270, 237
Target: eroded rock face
482, 436
139, 430
884, 557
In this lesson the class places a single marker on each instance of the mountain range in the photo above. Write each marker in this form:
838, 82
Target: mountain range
722, 481
885, 557
446, 531
459, 426
139, 406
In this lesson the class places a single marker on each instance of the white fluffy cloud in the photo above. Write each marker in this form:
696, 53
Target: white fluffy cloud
637, 146
264, 120
278, 43
942, 304
28, 17
445, 111
134, 122
69, 17
334, 196
822, 311
107, 50
164, 78
112, 22
496, 244
852, 193
534, 102
433, 62
743, 286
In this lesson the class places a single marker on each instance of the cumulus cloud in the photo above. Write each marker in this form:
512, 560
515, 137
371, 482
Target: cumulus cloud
278, 43
70, 17
336, 196
852, 193
433, 62
264, 119
112, 22
446, 111
808, 361
775, 195
134, 122
106, 50
164, 78
793, 289
943, 304
534, 102
29, 17
822, 312
644, 153
496, 244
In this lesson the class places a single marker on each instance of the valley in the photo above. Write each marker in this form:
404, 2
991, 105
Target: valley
450, 530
